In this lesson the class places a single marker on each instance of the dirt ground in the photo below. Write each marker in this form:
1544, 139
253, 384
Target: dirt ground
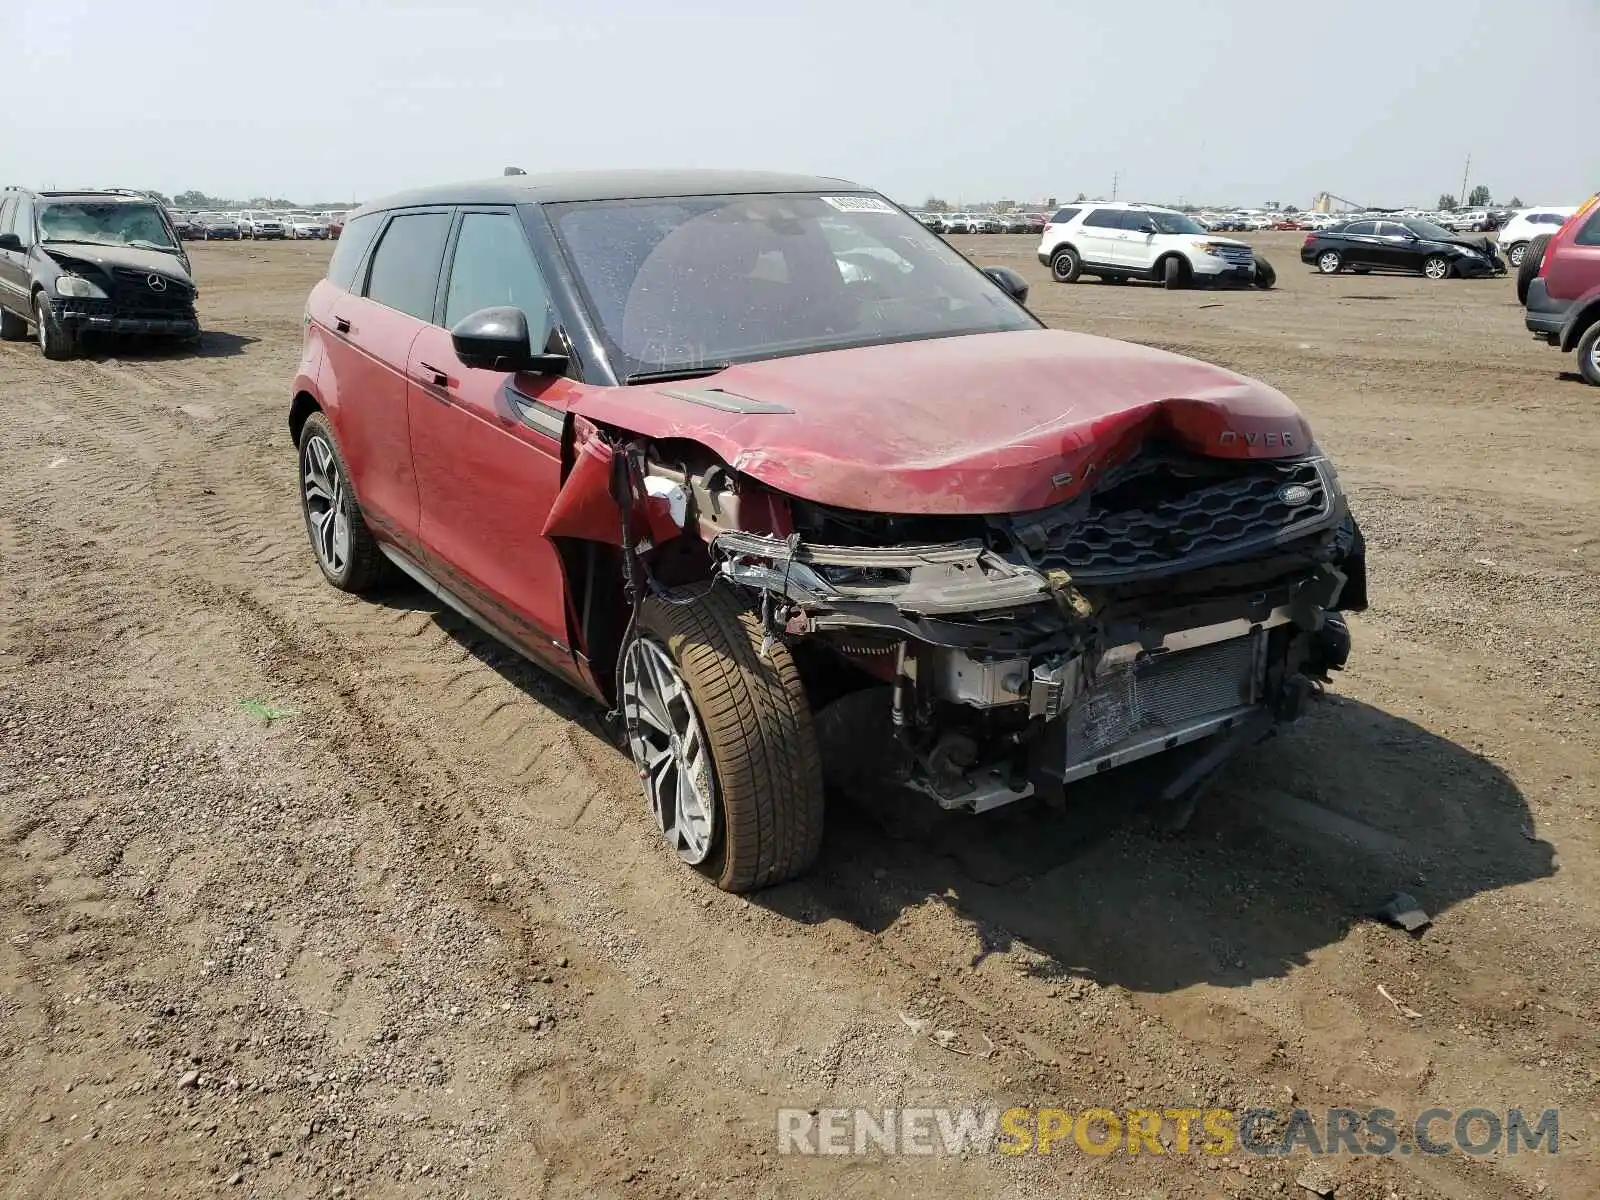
417, 936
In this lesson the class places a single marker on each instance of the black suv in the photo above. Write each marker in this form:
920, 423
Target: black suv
91, 262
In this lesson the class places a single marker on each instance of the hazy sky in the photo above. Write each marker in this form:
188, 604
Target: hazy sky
1243, 101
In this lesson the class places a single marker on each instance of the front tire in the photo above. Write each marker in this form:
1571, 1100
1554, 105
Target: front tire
1436, 267
1589, 355
1266, 278
346, 551
1065, 265
1330, 262
57, 342
724, 742
1174, 274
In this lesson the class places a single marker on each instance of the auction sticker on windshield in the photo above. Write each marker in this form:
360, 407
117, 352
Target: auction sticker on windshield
859, 204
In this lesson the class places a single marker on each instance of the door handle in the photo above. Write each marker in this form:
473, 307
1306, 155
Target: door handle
433, 376
341, 325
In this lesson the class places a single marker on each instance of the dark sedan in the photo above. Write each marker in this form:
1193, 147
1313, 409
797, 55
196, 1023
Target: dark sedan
1414, 247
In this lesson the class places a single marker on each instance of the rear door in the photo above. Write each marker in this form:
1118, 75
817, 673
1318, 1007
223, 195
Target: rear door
1099, 235
1574, 266
13, 264
1360, 245
488, 445
372, 328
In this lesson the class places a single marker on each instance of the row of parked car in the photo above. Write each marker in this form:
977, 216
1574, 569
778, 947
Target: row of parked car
260, 224
971, 222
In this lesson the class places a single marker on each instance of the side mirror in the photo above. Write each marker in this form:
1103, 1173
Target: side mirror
496, 339
1009, 282
10, 241
1148, 227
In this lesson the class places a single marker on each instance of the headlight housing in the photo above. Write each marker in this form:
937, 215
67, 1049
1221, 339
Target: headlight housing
76, 287
1208, 247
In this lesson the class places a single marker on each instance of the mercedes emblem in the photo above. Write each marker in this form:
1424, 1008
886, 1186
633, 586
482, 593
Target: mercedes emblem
155, 283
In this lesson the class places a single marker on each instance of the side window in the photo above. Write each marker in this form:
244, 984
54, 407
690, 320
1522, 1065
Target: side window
492, 267
352, 248
405, 266
1589, 235
1361, 228
7, 211
1134, 220
22, 220
1065, 215
1104, 218
1393, 229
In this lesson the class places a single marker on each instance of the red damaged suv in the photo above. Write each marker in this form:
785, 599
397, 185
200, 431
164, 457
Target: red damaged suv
765, 465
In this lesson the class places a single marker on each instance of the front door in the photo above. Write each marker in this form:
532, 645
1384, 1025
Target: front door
487, 445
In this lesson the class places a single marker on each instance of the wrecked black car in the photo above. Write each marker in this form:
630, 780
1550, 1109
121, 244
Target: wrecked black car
77, 263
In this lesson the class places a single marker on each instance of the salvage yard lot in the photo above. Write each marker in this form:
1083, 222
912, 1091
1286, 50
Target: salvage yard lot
416, 934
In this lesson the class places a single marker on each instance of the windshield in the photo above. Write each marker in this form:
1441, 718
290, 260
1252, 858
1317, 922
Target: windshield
1171, 222
105, 224
694, 283
1429, 231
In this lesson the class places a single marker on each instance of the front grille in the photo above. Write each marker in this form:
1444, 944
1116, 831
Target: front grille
1162, 511
1161, 695
133, 293
1238, 256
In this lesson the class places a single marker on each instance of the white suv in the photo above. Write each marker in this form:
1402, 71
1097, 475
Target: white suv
1139, 241
1525, 225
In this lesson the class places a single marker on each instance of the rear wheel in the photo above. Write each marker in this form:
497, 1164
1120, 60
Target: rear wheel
1065, 265
1436, 266
1329, 262
723, 740
1515, 253
1589, 355
345, 548
1528, 268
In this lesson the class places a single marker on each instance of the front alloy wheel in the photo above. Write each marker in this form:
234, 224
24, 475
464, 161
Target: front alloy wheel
670, 750
1437, 267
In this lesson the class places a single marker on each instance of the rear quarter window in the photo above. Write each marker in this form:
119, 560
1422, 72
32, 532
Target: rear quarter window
1064, 215
352, 248
1589, 235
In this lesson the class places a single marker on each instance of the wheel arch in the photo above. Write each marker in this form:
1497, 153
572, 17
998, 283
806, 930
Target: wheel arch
1159, 267
300, 409
1584, 314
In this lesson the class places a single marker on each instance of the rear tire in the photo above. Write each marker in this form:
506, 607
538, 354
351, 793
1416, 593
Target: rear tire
1528, 268
57, 342
1266, 278
1516, 253
12, 327
1589, 355
1330, 262
1174, 274
345, 549
765, 768
1065, 265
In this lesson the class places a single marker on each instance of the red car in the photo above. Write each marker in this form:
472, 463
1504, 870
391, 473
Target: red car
1563, 298
762, 463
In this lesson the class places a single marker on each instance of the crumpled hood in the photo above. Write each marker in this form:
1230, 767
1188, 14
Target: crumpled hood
131, 257
988, 423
